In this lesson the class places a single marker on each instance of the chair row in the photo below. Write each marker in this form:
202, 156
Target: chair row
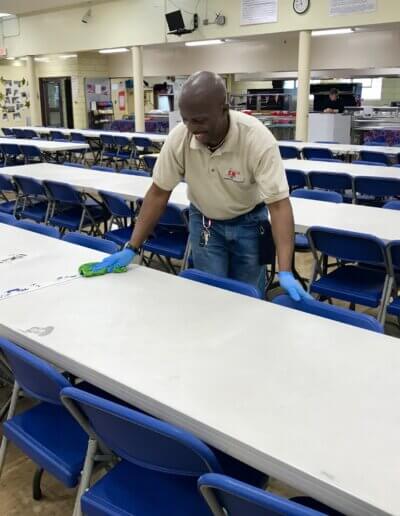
12, 154
150, 466
366, 190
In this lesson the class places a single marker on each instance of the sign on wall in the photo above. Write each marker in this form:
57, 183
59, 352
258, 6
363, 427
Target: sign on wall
339, 7
258, 11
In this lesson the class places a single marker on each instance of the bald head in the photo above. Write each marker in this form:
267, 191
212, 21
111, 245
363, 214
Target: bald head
203, 107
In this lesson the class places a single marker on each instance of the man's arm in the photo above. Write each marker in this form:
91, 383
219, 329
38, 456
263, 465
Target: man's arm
283, 232
153, 207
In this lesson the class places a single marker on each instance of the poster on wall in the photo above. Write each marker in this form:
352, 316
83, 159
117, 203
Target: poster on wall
258, 11
340, 7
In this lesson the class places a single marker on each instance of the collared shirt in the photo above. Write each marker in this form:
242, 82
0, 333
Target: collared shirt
245, 171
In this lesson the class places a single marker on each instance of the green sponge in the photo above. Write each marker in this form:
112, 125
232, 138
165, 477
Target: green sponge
87, 271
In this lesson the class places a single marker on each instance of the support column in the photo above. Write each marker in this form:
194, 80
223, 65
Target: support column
303, 90
34, 91
138, 89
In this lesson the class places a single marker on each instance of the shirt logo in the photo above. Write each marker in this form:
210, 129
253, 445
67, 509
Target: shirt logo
233, 175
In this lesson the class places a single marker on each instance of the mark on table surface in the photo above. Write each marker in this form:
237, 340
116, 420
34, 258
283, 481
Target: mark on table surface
13, 257
35, 286
41, 331
328, 475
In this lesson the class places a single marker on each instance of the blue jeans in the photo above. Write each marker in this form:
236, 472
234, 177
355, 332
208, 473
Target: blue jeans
232, 250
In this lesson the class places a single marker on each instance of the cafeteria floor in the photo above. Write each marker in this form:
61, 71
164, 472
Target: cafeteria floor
15, 484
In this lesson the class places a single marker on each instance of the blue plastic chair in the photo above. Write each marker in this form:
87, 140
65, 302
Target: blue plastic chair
101, 168
149, 162
6, 218
125, 150
72, 164
289, 152
38, 228
72, 210
375, 191
7, 131
46, 433
32, 154
122, 215
30, 134
369, 163
96, 243
332, 181
364, 284
58, 136
32, 201
141, 145
18, 133
227, 496
78, 138
392, 205
224, 283
134, 172
376, 157
296, 179
317, 153
335, 313
108, 148
318, 195
12, 154
6, 188
393, 251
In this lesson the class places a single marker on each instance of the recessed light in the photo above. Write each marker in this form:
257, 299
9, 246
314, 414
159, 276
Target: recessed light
10, 58
113, 50
5, 15
42, 59
67, 56
331, 32
204, 42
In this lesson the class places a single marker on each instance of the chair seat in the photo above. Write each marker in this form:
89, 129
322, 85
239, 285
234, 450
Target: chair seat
169, 244
119, 236
70, 218
52, 438
301, 243
394, 307
7, 207
360, 285
36, 212
129, 490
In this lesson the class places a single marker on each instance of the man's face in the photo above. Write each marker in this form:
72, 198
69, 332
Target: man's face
205, 121
333, 96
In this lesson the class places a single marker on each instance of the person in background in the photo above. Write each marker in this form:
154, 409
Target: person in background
334, 104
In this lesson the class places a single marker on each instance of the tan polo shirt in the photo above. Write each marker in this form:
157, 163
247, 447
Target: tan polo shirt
246, 170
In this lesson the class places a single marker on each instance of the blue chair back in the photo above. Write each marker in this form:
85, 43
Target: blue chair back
29, 186
289, 152
98, 244
7, 131
100, 168
376, 157
347, 245
317, 153
235, 498
225, 283
330, 181
122, 141
30, 151
368, 163
38, 228
149, 161
336, 313
393, 249
29, 134
318, 195
376, 186
6, 185
296, 179
36, 377
116, 205
19, 133
62, 192
77, 138
134, 172
107, 140
328, 160
142, 439
10, 149
75, 165
58, 136
6, 218
392, 205
173, 217
141, 142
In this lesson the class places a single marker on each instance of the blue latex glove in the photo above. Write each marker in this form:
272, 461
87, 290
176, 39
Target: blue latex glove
292, 286
121, 259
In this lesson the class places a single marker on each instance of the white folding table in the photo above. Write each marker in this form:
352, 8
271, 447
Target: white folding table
45, 145
310, 401
342, 148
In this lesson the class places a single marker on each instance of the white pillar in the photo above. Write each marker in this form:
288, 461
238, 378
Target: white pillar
138, 90
36, 117
303, 90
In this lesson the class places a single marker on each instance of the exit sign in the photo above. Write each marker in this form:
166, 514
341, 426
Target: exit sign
3, 52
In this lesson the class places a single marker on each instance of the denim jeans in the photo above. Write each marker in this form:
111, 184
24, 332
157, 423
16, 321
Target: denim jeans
232, 250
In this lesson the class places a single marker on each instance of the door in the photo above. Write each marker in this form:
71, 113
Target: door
56, 102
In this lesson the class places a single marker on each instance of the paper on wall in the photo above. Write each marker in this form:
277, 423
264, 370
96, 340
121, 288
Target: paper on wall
340, 7
258, 11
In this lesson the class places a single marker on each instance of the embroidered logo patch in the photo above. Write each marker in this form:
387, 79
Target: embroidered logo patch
234, 175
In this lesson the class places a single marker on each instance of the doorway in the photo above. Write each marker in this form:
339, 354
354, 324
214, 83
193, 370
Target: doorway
56, 102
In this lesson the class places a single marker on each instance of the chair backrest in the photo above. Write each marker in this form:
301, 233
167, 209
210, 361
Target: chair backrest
141, 142
107, 140
29, 134
225, 283
142, 439
289, 152
316, 152
229, 496
134, 172
100, 168
96, 243
393, 250
10, 149
19, 133
30, 151
38, 228
173, 217
296, 178
328, 160
330, 180
376, 186
62, 192
149, 161
75, 165
336, 313
6, 185
58, 135
392, 205
6, 218
7, 131
347, 245
29, 186
37, 378
369, 163
377, 157
122, 141
77, 137
318, 195
116, 205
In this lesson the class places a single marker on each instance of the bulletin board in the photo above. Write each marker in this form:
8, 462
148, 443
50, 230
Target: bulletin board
97, 90
14, 99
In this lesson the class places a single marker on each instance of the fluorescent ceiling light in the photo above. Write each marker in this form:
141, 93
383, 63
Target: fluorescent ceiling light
331, 32
113, 50
10, 58
4, 15
42, 59
67, 56
204, 42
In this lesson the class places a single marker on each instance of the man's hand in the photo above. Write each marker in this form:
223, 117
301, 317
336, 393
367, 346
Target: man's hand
121, 259
293, 287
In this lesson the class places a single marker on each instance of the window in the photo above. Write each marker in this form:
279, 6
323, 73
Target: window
371, 88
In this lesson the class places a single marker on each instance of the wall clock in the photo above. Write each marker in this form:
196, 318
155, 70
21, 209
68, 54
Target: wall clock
301, 6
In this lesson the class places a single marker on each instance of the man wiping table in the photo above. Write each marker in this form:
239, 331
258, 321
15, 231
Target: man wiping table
233, 170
